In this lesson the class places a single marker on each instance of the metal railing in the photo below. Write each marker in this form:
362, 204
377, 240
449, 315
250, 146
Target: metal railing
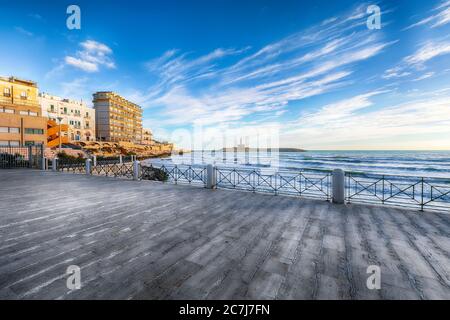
113, 160
71, 165
116, 170
406, 191
310, 183
194, 175
20, 157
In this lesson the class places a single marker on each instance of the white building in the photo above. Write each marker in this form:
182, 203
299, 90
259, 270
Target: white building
77, 115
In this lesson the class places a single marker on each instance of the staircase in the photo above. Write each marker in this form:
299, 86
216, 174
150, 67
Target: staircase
53, 130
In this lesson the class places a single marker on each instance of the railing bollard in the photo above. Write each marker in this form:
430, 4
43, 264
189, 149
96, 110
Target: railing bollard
54, 164
338, 184
43, 163
210, 176
88, 166
94, 158
136, 169
120, 159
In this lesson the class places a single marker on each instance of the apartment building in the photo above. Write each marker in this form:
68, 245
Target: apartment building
147, 137
79, 118
21, 120
116, 118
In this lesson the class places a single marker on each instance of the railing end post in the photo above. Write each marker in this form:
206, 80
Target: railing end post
136, 169
210, 176
54, 164
88, 166
338, 186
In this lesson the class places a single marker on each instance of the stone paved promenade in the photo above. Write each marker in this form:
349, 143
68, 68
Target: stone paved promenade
147, 240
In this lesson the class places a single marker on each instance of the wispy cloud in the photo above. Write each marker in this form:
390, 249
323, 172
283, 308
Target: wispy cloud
92, 57
36, 16
371, 126
424, 76
440, 16
228, 85
428, 51
396, 72
23, 31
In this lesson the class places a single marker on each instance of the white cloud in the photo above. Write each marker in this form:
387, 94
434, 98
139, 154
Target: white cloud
428, 51
424, 76
92, 57
23, 31
81, 64
36, 16
256, 86
397, 125
435, 20
396, 72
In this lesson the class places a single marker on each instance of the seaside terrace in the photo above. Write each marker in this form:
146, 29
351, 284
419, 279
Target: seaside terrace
137, 239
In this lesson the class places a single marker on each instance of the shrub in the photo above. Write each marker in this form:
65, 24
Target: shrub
62, 156
154, 174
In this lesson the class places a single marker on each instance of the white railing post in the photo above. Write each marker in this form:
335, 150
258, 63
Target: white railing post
136, 169
338, 184
94, 158
120, 159
54, 164
210, 176
88, 166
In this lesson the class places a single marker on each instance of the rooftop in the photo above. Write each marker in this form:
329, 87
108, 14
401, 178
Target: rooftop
18, 80
148, 240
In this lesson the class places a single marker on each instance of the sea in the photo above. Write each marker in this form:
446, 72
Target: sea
434, 164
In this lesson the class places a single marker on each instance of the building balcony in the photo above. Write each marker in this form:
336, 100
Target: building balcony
10, 101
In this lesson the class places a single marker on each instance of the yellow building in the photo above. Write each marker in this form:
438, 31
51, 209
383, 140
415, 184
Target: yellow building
21, 121
147, 137
79, 118
117, 119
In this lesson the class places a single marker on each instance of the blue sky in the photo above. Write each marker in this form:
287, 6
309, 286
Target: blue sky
312, 70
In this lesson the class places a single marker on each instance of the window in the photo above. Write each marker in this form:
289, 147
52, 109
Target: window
14, 143
34, 131
23, 113
9, 130
23, 95
29, 143
52, 107
34, 114
7, 92
9, 111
